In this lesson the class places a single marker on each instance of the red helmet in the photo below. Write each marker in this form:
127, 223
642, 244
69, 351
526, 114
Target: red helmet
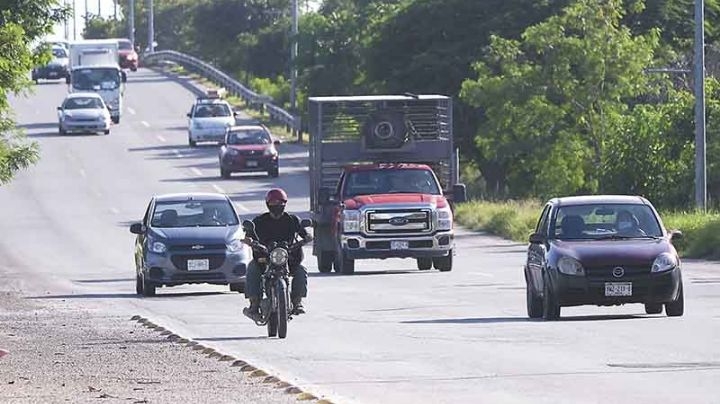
276, 196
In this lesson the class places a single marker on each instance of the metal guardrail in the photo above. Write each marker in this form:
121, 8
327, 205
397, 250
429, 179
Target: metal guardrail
233, 87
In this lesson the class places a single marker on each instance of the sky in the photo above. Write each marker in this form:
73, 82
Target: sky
106, 10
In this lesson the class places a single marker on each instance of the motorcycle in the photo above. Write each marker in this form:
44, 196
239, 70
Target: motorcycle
276, 307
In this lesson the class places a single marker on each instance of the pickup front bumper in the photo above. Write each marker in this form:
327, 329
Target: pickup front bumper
356, 246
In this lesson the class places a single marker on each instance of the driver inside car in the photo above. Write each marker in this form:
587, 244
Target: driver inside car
626, 224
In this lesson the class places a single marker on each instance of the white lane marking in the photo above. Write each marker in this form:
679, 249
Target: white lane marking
217, 188
83, 173
115, 210
147, 125
196, 171
162, 139
131, 111
177, 152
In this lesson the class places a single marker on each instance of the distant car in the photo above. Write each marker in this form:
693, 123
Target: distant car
209, 118
83, 113
128, 55
249, 148
602, 250
56, 69
189, 238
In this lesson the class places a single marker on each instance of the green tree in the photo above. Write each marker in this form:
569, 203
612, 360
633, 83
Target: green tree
22, 23
101, 28
552, 100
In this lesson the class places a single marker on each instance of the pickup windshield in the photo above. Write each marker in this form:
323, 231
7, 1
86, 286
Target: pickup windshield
96, 79
390, 181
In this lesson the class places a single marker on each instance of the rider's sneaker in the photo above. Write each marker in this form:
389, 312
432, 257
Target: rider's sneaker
252, 312
298, 308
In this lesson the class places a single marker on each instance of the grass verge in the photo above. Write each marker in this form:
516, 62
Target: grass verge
515, 220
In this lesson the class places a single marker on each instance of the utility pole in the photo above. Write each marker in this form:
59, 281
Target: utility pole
293, 57
67, 22
74, 12
151, 27
700, 147
131, 21
99, 11
115, 9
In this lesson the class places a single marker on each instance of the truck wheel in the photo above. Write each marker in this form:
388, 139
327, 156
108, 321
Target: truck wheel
443, 264
237, 287
676, 308
61, 130
424, 264
225, 173
274, 172
325, 261
343, 264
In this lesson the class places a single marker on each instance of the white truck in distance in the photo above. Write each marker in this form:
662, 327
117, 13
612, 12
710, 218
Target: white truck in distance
94, 67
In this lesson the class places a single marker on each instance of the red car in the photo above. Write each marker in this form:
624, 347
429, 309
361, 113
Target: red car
128, 56
249, 148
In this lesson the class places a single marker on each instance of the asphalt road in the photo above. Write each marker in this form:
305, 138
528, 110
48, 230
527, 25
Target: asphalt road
390, 334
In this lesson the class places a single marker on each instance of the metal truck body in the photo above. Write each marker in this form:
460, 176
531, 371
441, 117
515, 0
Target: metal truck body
94, 67
383, 177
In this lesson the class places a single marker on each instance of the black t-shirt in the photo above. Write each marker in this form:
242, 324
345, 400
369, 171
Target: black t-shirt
285, 228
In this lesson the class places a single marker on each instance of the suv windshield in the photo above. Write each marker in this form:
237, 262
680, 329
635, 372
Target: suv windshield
252, 136
605, 221
96, 79
83, 103
212, 213
390, 181
211, 110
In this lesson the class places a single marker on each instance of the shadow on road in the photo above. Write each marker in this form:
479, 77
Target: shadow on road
104, 280
44, 125
160, 295
495, 320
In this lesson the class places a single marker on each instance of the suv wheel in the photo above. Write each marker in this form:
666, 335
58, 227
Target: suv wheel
424, 264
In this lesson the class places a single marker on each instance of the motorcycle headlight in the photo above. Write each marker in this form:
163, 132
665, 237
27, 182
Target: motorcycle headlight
664, 262
235, 246
445, 219
351, 220
158, 247
279, 256
570, 266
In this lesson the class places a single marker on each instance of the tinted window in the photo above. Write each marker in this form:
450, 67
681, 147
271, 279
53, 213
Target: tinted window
593, 221
389, 181
193, 214
83, 103
211, 110
248, 137
88, 79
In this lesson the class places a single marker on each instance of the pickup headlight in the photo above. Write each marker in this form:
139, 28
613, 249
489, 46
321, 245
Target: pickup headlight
235, 246
445, 219
570, 266
279, 256
664, 262
158, 247
351, 221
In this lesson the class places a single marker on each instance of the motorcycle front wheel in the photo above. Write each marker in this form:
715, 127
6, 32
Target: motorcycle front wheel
281, 315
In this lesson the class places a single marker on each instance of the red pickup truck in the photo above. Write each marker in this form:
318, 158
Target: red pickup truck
386, 190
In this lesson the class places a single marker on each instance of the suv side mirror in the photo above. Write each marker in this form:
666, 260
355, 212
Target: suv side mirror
305, 223
676, 235
137, 228
537, 238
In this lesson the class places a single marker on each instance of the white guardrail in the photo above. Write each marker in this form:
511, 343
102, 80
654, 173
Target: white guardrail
233, 87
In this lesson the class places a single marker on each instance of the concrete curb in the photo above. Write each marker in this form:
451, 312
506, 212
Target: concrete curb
245, 367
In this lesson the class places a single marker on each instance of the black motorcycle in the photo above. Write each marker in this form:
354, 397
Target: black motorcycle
276, 307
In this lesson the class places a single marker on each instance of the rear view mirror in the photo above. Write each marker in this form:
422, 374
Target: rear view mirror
305, 223
537, 238
137, 228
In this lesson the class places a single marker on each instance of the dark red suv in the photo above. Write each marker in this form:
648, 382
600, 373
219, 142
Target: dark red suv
128, 55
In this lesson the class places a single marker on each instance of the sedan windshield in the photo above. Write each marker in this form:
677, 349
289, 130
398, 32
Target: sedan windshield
212, 110
197, 213
386, 181
248, 137
83, 103
605, 221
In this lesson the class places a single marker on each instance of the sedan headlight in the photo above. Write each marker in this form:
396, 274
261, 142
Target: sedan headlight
664, 262
235, 246
351, 221
158, 247
279, 256
570, 266
445, 219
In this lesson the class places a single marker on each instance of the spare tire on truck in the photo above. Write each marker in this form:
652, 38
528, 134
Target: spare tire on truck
385, 130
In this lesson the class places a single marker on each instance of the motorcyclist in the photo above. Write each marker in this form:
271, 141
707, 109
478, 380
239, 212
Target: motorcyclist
274, 226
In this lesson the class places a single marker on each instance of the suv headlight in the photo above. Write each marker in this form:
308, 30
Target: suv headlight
351, 221
270, 151
664, 262
235, 246
570, 266
445, 219
279, 256
158, 247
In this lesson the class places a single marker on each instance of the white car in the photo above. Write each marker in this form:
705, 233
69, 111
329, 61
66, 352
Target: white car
83, 113
209, 119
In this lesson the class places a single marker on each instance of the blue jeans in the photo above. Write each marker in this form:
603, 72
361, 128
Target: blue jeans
254, 281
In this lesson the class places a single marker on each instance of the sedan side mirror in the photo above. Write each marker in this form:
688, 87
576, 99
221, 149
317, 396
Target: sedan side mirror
189, 115
305, 223
537, 238
676, 235
59, 108
137, 228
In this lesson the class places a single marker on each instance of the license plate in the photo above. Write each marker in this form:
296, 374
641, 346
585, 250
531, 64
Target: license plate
399, 245
251, 163
618, 289
53, 74
198, 265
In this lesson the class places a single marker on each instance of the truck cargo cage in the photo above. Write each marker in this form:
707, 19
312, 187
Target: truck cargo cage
351, 130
